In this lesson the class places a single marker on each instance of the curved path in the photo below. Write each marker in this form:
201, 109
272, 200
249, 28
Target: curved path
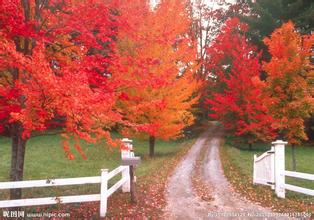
182, 201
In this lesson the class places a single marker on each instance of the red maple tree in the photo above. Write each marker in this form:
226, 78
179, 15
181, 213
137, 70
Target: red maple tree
54, 65
236, 99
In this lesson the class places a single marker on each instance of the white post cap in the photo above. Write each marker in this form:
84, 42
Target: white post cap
127, 140
277, 142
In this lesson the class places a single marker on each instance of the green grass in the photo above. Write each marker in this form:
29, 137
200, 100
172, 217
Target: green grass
45, 159
243, 158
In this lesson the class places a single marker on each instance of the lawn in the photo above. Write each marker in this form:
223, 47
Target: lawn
241, 159
45, 159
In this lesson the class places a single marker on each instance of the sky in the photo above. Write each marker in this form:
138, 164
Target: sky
213, 3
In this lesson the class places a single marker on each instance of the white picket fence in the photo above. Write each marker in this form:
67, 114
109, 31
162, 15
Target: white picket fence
103, 179
269, 169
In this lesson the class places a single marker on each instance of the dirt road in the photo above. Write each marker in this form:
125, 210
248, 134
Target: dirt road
182, 201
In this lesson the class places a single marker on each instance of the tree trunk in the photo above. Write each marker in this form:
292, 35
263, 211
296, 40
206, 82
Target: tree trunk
250, 146
250, 143
151, 146
18, 143
294, 161
17, 160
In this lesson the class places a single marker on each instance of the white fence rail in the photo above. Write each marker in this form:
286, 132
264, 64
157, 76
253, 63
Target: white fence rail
270, 170
124, 182
299, 175
50, 182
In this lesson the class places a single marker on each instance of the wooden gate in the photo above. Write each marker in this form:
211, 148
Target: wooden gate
264, 168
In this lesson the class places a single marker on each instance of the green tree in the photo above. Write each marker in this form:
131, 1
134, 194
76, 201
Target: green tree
266, 15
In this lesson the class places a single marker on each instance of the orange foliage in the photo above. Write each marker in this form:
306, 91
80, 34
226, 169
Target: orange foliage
287, 89
158, 49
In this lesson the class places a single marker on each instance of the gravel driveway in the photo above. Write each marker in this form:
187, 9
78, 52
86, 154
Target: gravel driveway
182, 201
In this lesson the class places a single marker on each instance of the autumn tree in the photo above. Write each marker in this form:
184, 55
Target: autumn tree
158, 49
54, 60
287, 90
236, 99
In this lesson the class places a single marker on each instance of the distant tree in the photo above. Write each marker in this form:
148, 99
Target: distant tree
207, 20
236, 100
287, 91
309, 123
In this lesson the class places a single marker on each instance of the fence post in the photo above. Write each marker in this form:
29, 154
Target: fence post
126, 153
279, 147
126, 175
254, 169
103, 192
272, 167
